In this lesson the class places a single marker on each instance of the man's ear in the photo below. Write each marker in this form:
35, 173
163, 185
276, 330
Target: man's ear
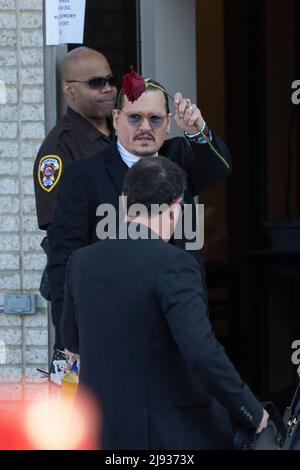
124, 207
68, 90
175, 203
175, 208
169, 123
124, 202
116, 117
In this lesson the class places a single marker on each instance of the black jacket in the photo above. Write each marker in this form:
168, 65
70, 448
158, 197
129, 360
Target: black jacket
99, 179
136, 313
73, 138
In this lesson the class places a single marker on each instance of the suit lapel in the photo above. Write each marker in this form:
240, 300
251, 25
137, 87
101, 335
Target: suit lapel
116, 167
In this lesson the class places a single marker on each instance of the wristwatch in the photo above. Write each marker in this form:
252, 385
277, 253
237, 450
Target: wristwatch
198, 137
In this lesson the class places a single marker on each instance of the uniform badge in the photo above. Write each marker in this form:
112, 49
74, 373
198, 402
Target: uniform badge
49, 172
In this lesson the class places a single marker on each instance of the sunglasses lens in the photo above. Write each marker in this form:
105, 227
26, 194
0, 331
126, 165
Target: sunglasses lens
97, 83
154, 121
112, 81
134, 119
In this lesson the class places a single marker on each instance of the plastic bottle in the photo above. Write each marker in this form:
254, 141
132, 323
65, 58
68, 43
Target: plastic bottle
70, 384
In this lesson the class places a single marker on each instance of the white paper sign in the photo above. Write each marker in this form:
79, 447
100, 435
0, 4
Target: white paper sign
64, 21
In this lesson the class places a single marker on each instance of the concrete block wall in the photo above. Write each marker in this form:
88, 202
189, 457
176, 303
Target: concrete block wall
23, 339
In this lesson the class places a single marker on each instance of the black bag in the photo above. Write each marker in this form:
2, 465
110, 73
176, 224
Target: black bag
44, 288
280, 434
271, 438
291, 420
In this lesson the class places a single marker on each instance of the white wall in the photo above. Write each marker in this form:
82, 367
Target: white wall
168, 45
23, 339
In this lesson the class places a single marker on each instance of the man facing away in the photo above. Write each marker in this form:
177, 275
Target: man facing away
135, 312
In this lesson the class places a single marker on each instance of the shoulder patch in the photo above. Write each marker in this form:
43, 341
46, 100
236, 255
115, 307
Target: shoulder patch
49, 172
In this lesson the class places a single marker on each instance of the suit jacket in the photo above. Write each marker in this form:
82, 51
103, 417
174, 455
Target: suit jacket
88, 183
135, 312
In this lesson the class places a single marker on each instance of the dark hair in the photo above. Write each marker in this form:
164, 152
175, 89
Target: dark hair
154, 180
152, 85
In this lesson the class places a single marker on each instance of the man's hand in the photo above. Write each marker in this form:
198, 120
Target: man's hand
264, 422
71, 358
187, 116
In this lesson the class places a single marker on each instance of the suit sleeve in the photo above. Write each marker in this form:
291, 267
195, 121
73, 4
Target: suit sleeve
68, 231
46, 196
180, 292
204, 168
69, 326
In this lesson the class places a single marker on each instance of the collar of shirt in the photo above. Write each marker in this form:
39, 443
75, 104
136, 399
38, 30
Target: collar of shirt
83, 125
128, 158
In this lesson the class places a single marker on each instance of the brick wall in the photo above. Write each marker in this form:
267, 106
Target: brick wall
23, 340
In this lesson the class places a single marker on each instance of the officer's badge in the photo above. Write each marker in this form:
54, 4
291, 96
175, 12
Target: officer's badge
49, 172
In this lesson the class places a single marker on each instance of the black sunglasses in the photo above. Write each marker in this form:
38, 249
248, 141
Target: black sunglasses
97, 83
135, 119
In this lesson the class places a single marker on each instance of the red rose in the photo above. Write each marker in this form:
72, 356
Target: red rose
133, 85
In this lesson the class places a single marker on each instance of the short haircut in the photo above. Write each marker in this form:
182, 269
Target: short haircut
154, 180
152, 86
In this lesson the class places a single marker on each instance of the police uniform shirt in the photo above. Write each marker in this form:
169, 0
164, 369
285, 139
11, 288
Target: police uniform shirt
73, 138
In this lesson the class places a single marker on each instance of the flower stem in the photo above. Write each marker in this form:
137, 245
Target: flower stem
215, 150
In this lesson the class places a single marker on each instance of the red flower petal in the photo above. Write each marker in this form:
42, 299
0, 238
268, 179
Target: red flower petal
133, 85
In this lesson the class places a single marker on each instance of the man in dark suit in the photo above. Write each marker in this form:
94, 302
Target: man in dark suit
141, 129
135, 312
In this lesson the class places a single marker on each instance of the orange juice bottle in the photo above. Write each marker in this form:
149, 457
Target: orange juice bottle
70, 384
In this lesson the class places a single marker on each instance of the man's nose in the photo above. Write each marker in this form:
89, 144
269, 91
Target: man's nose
145, 124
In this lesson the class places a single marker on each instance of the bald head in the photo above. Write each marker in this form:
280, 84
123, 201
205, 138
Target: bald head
79, 60
94, 103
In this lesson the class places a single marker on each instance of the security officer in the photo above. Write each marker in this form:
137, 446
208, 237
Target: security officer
90, 92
